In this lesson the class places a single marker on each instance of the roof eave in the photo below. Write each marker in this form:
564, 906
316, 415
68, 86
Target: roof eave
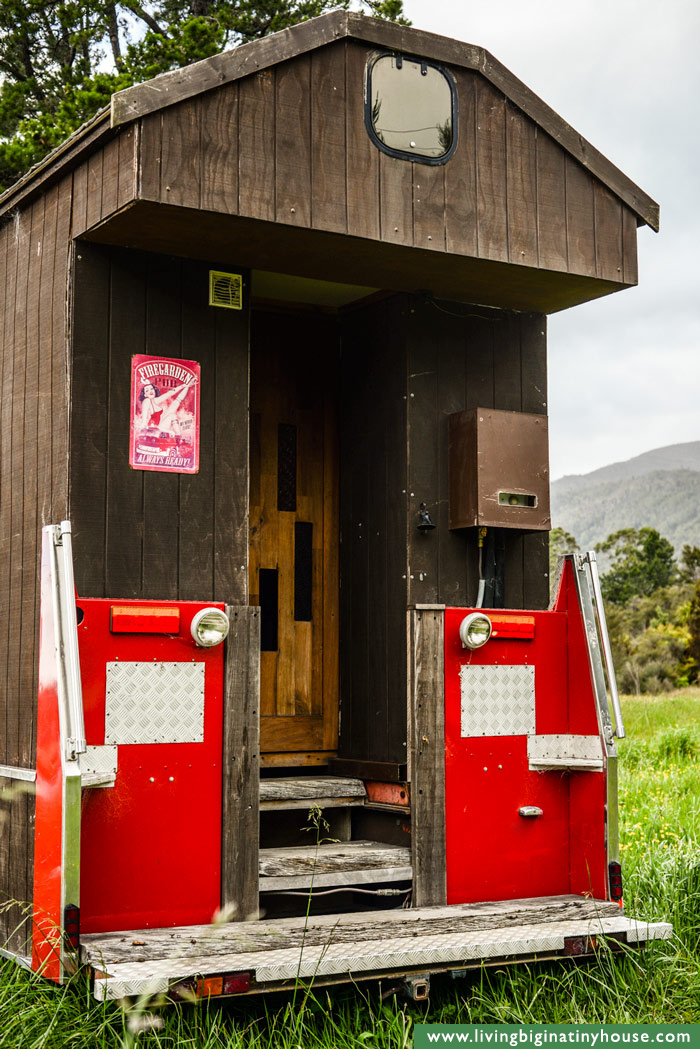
93, 132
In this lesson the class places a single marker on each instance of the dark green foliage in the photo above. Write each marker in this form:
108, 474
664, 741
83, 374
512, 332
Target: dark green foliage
650, 641
642, 562
689, 566
694, 634
648, 607
560, 542
60, 60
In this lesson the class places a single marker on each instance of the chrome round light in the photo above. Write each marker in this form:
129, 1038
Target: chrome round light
209, 627
475, 630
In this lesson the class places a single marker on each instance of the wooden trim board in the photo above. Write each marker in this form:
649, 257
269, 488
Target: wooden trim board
241, 759
426, 719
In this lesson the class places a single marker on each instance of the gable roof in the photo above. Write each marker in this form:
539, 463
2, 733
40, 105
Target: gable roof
250, 58
210, 73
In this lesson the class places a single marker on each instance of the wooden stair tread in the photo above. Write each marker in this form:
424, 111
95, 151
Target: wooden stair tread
285, 933
304, 791
335, 863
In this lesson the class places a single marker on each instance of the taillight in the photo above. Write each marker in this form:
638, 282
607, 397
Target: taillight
212, 986
209, 986
615, 880
236, 983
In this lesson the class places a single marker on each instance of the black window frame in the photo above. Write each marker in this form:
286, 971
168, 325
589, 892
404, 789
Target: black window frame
400, 153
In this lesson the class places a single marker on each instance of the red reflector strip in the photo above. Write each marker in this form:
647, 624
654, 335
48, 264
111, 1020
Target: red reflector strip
71, 925
138, 619
512, 626
615, 878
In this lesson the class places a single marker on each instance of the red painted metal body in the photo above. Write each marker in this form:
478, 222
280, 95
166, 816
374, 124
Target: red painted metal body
151, 844
493, 852
48, 918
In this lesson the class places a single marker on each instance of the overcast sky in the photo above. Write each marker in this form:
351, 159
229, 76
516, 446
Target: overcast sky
624, 371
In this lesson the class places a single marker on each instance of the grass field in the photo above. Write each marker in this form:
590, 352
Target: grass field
660, 835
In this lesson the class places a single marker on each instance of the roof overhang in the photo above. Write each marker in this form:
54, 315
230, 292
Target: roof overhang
316, 254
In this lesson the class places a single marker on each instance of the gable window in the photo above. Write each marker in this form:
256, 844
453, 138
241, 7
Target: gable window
411, 108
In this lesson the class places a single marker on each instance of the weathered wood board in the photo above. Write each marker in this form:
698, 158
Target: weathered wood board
155, 944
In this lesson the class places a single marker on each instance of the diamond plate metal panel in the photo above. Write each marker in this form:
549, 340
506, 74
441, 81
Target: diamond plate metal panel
154, 703
497, 700
565, 751
99, 761
133, 978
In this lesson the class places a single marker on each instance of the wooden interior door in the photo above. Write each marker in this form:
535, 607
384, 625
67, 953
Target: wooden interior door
293, 561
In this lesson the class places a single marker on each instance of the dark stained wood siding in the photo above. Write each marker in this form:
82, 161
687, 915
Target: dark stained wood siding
288, 145
34, 254
373, 533
406, 365
104, 181
465, 357
141, 533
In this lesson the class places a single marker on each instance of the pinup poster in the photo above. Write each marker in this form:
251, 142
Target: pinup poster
164, 414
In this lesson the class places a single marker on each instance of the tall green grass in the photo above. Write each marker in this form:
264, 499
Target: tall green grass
660, 848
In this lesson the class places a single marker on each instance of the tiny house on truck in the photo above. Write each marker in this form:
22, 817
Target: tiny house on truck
275, 502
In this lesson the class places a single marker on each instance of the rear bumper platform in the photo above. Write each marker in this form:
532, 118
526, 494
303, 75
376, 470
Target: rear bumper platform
335, 948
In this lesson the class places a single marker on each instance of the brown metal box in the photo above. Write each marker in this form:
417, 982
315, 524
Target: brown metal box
499, 470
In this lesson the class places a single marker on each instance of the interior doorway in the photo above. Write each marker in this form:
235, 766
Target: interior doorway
294, 534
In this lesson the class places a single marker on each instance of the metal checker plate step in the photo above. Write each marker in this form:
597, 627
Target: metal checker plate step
361, 958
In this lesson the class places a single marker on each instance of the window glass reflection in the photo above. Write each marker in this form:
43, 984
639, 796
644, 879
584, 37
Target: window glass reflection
411, 107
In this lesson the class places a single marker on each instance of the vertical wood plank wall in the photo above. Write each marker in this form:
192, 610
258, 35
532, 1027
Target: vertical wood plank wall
139, 533
288, 144
34, 261
461, 357
373, 533
406, 365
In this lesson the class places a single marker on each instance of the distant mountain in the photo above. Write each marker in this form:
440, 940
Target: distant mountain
660, 488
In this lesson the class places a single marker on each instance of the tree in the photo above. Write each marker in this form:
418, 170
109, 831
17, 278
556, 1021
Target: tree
560, 542
60, 60
642, 562
689, 568
693, 651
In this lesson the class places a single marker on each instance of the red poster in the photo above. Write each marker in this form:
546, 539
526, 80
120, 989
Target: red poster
164, 414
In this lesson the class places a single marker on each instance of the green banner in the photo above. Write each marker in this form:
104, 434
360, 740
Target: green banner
432, 1036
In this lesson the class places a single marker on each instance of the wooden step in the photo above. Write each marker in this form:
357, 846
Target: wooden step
302, 792
331, 864
328, 947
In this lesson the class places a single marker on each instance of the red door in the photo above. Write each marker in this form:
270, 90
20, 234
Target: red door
151, 842
514, 826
